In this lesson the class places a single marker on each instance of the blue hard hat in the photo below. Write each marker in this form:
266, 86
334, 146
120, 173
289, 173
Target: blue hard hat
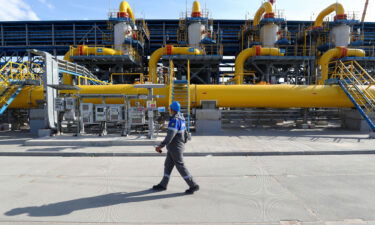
175, 106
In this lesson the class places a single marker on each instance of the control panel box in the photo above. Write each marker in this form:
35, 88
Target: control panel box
137, 116
100, 113
59, 104
115, 113
70, 103
87, 113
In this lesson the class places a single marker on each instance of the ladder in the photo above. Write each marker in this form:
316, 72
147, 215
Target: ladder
356, 82
181, 94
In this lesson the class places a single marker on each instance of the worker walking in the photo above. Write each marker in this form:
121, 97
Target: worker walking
175, 142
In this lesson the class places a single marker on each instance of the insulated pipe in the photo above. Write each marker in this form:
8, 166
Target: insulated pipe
340, 14
336, 53
236, 96
196, 12
85, 50
168, 50
126, 11
250, 52
265, 8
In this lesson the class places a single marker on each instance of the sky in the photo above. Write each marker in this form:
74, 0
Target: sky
16, 10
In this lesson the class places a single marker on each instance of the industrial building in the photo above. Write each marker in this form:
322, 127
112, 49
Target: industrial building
119, 75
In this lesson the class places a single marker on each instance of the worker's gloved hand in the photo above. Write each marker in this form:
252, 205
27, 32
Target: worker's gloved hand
158, 149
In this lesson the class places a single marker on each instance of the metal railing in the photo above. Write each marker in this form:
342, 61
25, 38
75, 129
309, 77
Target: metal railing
358, 82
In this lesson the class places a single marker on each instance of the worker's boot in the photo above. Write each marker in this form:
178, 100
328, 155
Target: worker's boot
159, 188
192, 189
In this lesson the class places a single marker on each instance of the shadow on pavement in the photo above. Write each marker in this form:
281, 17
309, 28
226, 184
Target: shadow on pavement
67, 207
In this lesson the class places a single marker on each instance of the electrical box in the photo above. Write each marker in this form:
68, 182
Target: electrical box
87, 113
115, 113
100, 113
137, 116
59, 104
70, 103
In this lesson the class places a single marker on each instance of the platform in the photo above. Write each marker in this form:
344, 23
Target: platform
106, 59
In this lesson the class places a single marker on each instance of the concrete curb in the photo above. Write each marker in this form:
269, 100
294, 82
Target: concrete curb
89, 143
187, 154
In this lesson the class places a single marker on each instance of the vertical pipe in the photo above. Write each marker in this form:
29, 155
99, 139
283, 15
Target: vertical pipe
53, 34
95, 33
164, 36
74, 34
27, 34
2, 35
268, 71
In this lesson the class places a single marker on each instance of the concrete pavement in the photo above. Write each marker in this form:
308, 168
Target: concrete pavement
228, 142
314, 190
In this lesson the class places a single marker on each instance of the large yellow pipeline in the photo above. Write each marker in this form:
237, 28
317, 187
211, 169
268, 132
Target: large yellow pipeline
265, 8
85, 50
336, 53
125, 8
247, 53
168, 50
272, 96
196, 12
334, 7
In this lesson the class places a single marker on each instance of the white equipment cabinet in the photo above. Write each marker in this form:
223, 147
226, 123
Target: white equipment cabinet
100, 113
87, 113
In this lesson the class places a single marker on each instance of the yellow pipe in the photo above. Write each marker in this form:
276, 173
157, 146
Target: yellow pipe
247, 53
336, 53
168, 50
272, 96
334, 7
125, 8
85, 50
196, 12
265, 8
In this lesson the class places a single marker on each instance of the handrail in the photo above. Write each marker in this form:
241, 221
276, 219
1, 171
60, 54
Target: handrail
352, 74
141, 76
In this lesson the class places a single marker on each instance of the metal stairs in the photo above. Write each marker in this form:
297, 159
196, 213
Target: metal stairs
181, 93
9, 95
79, 71
13, 78
356, 82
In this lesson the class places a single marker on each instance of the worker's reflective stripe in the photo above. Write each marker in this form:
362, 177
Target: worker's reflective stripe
171, 128
167, 175
187, 177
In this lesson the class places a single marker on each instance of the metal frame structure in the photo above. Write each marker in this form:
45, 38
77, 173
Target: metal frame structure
56, 37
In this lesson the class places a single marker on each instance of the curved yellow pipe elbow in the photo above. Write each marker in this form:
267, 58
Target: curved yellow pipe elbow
169, 50
339, 8
85, 50
336, 53
250, 52
196, 12
265, 8
125, 8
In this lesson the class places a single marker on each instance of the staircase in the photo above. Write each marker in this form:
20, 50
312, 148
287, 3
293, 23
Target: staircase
9, 95
356, 82
13, 78
79, 71
181, 93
